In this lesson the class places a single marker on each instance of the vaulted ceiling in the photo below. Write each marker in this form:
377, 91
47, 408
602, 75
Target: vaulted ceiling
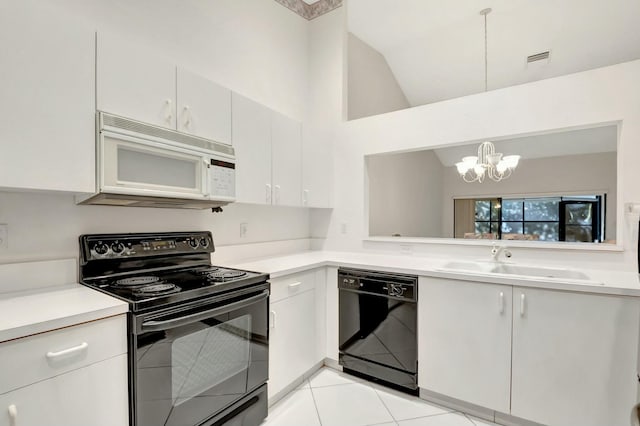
435, 48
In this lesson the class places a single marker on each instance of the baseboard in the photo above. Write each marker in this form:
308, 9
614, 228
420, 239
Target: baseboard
475, 410
332, 363
458, 405
295, 384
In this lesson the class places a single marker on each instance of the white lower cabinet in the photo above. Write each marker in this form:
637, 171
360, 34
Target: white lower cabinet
552, 357
75, 376
574, 357
95, 395
295, 345
465, 341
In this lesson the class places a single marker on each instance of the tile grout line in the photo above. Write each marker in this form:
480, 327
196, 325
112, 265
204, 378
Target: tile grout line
315, 404
383, 404
470, 419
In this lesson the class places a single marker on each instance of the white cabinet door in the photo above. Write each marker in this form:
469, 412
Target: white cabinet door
286, 142
317, 169
574, 357
96, 395
465, 340
47, 101
204, 107
292, 339
252, 144
134, 83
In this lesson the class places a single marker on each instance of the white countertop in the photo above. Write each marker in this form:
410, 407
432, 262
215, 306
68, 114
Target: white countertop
28, 308
602, 281
24, 314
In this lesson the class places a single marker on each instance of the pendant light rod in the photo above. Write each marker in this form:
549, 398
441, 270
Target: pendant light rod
485, 12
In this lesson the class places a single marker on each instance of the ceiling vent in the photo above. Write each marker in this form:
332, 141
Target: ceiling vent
538, 57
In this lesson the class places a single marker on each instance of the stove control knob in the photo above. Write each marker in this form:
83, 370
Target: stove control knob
117, 248
101, 248
204, 242
193, 243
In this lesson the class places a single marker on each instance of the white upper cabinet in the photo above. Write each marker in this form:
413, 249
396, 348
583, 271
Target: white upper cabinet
286, 154
317, 170
252, 144
465, 341
204, 107
574, 357
268, 154
134, 83
47, 101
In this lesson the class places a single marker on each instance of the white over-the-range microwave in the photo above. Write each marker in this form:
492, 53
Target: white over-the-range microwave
147, 166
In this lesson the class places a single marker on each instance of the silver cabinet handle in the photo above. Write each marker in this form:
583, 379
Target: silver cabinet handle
186, 112
82, 346
274, 315
522, 304
501, 301
277, 187
13, 414
268, 193
169, 117
305, 197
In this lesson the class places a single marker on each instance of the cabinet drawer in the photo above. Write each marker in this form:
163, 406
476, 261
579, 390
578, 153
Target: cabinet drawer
291, 285
95, 395
34, 358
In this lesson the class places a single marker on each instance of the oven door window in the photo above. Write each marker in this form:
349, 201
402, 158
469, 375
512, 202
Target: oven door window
186, 374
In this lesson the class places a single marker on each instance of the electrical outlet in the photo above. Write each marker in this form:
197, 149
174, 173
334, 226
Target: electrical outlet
406, 248
4, 236
343, 227
243, 229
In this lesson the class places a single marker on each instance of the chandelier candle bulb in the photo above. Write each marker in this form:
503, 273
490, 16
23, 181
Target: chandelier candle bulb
512, 161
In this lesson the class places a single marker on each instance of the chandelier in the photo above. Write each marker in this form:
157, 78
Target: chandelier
488, 163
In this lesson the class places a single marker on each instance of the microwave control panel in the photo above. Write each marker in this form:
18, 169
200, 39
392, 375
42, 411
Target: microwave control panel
222, 179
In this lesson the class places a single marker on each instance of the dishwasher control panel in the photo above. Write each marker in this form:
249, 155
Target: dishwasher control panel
398, 286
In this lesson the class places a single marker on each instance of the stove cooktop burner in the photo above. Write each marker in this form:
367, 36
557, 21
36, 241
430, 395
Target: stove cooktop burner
136, 281
225, 275
156, 289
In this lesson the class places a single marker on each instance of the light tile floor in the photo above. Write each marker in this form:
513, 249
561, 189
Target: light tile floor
332, 398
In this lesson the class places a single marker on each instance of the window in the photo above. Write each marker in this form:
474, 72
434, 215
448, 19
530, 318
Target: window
564, 218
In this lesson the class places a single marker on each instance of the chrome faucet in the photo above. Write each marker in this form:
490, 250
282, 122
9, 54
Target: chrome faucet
496, 250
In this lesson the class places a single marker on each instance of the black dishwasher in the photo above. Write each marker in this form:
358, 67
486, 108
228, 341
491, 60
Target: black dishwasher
378, 327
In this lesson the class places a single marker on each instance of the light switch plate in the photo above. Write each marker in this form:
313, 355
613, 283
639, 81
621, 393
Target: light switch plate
243, 229
4, 236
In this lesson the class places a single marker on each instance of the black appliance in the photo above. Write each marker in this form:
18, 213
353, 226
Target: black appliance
198, 334
378, 327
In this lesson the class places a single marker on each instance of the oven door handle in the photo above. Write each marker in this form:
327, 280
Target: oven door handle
188, 319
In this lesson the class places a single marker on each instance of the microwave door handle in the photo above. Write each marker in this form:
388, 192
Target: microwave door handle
188, 319
206, 178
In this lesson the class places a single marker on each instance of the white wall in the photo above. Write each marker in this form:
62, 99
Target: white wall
255, 47
566, 175
405, 193
605, 95
43, 226
373, 89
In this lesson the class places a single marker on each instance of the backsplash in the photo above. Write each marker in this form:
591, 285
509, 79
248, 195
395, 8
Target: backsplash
47, 226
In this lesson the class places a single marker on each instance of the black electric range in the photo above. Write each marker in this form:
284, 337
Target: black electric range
150, 271
198, 334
